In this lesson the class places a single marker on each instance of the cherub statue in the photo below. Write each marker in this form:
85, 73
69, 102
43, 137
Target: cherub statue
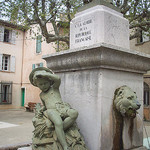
59, 115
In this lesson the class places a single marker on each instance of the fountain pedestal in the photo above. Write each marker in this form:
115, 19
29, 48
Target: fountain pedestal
91, 72
89, 78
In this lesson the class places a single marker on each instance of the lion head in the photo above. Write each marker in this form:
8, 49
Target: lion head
125, 102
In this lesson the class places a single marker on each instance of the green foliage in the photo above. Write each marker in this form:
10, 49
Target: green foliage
26, 11
138, 14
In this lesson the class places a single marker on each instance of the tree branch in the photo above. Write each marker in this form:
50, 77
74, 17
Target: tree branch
125, 7
87, 1
135, 5
57, 38
53, 17
146, 23
43, 10
124, 4
39, 21
136, 34
118, 3
55, 27
68, 5
133, 18
35, 5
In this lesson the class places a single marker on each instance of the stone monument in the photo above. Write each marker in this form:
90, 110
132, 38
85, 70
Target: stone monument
99, 24
98, 62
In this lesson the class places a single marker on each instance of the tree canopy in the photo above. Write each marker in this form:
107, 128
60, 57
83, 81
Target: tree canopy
60, 12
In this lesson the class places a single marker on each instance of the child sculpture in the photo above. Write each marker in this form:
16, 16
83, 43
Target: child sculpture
61, 116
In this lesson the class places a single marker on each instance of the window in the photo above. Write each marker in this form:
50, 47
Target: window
38, 43
7, 35
5, 93
7, 63
37, 65
144, 37
146, 94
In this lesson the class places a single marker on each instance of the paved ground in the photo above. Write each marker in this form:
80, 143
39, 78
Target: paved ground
16, 127
146, 129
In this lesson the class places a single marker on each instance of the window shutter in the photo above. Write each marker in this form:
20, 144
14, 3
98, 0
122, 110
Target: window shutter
145, 39
38, 44
12, 63
1, 33
0, 93
10, 36
41, 64
10, 93
13, 37
1, 61
33, 66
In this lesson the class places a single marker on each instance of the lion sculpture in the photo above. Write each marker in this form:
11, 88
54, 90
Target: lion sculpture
125, 107
125, 102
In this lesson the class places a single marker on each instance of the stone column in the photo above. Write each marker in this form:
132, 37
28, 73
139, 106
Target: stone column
93, 69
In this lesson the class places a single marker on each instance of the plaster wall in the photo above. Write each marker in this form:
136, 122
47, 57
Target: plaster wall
91, 92
31, 93
147, 107
30, 57
15, 77
145, 48
141, 47
13, 50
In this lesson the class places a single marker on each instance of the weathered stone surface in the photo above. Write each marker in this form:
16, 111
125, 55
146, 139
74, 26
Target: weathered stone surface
93, 73
91, 92
25, 148
99, 56
140, 148
99, 24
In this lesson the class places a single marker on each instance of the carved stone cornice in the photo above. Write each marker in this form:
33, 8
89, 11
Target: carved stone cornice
99, 56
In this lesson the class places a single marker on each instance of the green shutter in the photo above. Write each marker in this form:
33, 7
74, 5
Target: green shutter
41, 64
33, 66
1, 59
23, 96
38, 44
